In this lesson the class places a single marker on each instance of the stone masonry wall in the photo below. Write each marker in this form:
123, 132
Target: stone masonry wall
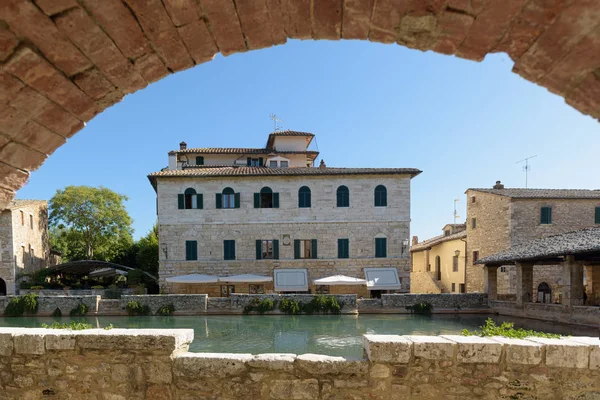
184, 303
47, 304
578, 315
124, 364
239, 301
551, 274
443, 300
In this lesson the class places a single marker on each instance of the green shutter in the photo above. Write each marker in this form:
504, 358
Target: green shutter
199, 160
314, 248
232, 249
191, 250
199, 201
342, 248
296, 249
219, 200
256, 200
237, 200
308, 198
260, 161
276, 200
258, 249
180, 201
194, 250
384, 246
546, 215
597, 216
276, 249
380, 247
249, 161
187, 250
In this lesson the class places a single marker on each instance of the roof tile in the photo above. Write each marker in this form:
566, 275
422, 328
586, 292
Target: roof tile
543, 193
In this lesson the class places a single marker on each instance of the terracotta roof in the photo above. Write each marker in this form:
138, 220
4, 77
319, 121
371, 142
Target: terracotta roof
543, 193
266, 171
272, 136
239, 150
24, 202
437, 240
579, 242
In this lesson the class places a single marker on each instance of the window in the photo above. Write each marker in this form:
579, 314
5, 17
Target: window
446, 233
283, 164
473, 223
438, 263
190, 199
267, 249
455, 264
597, 216
305, 248
380, 196
266, 198
273, 163
343, 248
228, 199
428, 267
31, 221
502, 269
191, 250
343, 196
226, 290
31, 256
228, 249
473, 199
380, 247
255, 162
199, 160
304, 197
546, 215
475, 256
256, 289
23, 256
453, 287
461, 287
322, 289
22, 218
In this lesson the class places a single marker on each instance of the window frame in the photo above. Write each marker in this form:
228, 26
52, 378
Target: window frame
475, 256
548, 215
343, 248
379, 247
597, 215
304, 197
228, 198
322, 289
273, 163
380, 196
342, 197
453, 287
454, 263
228, 249
191, 250
31, 221
473, 223
287, 164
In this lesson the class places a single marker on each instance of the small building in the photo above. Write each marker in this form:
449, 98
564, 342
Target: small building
259, 220
499, 218
438, 264
24, 246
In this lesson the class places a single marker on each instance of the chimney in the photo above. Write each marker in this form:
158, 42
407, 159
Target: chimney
172, 160
498, 185
415, 240
322, 165
182, 146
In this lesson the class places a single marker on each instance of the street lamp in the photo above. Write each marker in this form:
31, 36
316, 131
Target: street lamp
457, 253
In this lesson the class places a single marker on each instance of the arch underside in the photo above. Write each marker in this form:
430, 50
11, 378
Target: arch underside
65, 61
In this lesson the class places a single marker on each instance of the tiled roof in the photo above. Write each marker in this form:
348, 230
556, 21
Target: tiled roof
543, 193
572, 243
437, 240
239, 150
266, 171
272, 136
24, 203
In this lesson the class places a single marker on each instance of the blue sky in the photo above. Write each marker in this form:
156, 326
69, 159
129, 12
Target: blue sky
465, 124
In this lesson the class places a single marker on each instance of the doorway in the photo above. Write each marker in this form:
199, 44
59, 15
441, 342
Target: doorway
2, 287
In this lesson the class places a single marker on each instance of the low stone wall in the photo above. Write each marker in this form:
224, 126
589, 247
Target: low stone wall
239, 301
74, 292
124, 364
579, 315
185, 304
47, 305
440, 300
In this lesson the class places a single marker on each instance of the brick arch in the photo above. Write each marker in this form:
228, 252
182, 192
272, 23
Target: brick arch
64, 61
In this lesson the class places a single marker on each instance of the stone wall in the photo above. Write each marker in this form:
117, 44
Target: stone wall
153, 364
551, 274
47, 305
185, 304
239, 301
73, 292
443, 300
423, 282
578, 315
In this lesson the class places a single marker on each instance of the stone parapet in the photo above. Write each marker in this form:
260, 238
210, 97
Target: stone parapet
48, 304
155, 364
578, 315
183, 303
73, 292
437, 300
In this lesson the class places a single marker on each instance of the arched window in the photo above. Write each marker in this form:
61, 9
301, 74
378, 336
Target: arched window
304, 197
2, 287
544, 293
228, 198
266, 197
190, 198
343, 196
380, 196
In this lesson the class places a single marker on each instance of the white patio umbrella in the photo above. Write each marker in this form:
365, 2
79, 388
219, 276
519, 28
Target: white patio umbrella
106, 272
193, 278
340, 280
245, 278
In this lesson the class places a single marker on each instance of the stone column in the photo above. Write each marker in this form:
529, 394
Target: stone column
572, 289
490, 282
524, 283
592, 291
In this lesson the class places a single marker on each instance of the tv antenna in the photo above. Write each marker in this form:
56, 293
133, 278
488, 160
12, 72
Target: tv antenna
456, 216
275, 121
527, 167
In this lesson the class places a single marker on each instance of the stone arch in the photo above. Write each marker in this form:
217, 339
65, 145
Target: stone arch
64, 62
2, 287
544, 293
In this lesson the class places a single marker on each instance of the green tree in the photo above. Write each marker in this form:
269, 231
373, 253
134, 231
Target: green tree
147, 255
91, 223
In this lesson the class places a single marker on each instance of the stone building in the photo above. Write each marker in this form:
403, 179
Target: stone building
269, 212
23, 241
438, 264
499, 218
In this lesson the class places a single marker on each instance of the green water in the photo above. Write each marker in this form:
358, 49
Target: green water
322, 334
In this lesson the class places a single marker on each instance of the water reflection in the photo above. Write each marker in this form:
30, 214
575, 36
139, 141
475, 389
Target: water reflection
332, 335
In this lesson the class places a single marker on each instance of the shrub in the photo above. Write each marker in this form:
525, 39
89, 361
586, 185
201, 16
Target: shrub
290, 306
166, 310
137, 308
424, 308
113, 292
80, 311
36, 288
260, 306
30, 303
506, 329
57, 313
15, 308
97, 287
322, 304
73, 325
108, 327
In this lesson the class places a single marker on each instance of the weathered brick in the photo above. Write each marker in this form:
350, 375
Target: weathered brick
58, 120
9, 86
20, 156
454, 27
12, 120
255, 22
182, 12
225, 25
357, 18
29, 99
278, 34
93, 83
160, 30
39, 138
199, 41
8, 42
52, 7
151, 67
26, 20
297, 18
6, 196
387, 14
327, 19
10, 177
586, 96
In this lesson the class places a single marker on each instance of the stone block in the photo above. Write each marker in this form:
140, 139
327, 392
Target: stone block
379, 371
318, 365
158, 372
296, 389
165, 341
6, 344
210, 365
387, 348
564, 353
29, 343
594, 344
519, 351
432, 347
475, 349
60, 341
273, 361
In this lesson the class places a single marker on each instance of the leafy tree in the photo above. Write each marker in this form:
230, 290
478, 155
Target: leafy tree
89, 223
147, 256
